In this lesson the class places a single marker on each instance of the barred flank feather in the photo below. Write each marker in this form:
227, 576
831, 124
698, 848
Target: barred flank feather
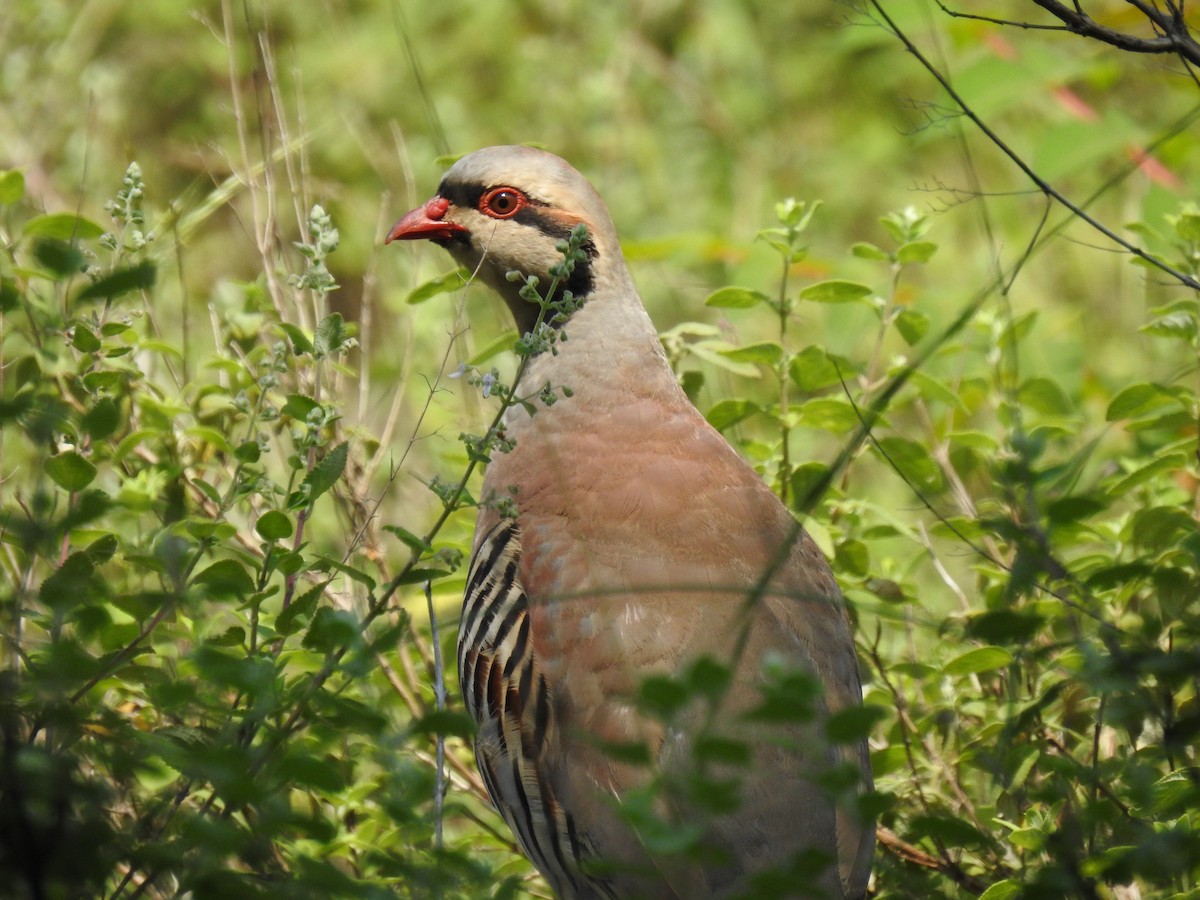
510, 703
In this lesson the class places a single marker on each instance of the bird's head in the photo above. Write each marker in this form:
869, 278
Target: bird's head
504, 209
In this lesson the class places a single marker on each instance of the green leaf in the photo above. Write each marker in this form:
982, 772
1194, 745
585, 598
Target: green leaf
1138, 400
1004, 625
1045, 396
1178, 320
327, 471
714, 352
300, 341
60, 257
332, 336
70, 471
642, 807
805, 478
274, 526
160, 347
886, 589
888, 760
1121, 575
1002, 890
1174, 794
409, 539
247, 452
916, 252
1187, 223
951, 831
445, 722
421, 575
914, 463
711, 748
83, 340
835, 290
102, 549
912, 325
205, 529
1032, 839
226, 576
210, 436
1074, 508
450, 281
662, 696
331, 629
70, 584
102, 419
813, 369
297, 613
208, 490
932, 388
709, 677
828, 414
247, 673
1158, 466
62, 227
692, 381
853, 724
728, 413
796, 214
10, 297
973, 440
789, 695
12, 186
736, 298
139, 277
233, 636
326, 564
320, 773
298, 406
766, 353
89, 506
981, 659
864, 250
1161, 526
852, 557
500, 345
1017, 329
102, 381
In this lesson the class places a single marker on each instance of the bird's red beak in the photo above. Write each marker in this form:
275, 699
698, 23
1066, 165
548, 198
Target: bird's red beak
425, 223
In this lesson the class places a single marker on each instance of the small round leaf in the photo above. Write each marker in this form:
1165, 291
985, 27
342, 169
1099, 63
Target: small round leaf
274, 526
70, 471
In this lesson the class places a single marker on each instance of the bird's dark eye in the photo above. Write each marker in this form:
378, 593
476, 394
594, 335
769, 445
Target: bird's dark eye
502, 202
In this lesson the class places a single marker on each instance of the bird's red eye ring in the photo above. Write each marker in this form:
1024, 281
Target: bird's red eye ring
502, 202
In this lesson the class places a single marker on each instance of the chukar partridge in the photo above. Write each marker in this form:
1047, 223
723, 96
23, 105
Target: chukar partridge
631, 544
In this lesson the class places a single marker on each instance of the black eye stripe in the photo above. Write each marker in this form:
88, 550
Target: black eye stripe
462, 195
467, 196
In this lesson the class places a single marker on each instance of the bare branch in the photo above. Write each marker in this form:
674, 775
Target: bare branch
1172, 35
